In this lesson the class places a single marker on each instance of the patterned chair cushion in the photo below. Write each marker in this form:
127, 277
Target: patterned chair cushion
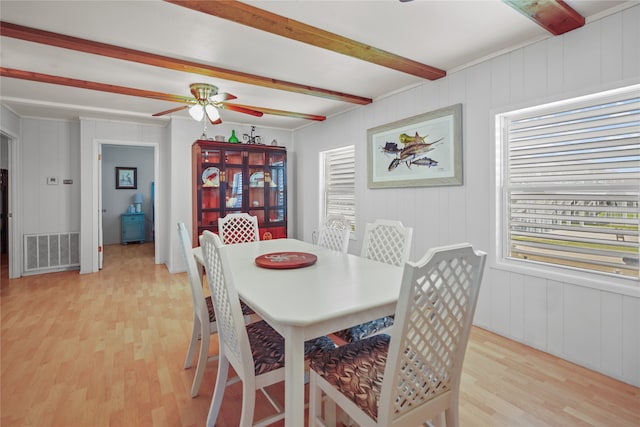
364, 330
246, 310
356, 370
267, 347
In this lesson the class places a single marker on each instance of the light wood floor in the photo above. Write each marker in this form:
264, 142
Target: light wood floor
107, 349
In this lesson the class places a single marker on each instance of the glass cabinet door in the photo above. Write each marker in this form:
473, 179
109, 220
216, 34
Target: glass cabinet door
276, 188
209, 181
256, 185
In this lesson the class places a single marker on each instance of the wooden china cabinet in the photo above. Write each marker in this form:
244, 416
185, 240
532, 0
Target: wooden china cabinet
233, 178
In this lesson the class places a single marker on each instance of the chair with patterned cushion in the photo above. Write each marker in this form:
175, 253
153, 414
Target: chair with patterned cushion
238, 228
412, 376
384, 241
204, 319
255, 351
334, 234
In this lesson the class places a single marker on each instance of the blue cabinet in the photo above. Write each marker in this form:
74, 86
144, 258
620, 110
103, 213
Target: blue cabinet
132, 226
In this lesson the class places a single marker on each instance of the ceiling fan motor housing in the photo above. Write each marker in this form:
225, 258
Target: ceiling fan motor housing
203, 91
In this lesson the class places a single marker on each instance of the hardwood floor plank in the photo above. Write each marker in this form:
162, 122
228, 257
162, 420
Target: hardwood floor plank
107, 349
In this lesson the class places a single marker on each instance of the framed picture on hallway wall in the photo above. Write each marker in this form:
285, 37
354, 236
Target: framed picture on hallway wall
126, 178
424, 150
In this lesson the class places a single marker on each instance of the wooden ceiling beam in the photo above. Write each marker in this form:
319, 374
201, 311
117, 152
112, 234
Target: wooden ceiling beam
122, 90
555, 16
85, 84
88, 46
250, 16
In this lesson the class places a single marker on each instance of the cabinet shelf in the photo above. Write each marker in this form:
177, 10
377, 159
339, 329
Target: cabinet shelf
252, 179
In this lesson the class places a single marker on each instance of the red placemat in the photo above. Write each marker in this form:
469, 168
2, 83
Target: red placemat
285, 260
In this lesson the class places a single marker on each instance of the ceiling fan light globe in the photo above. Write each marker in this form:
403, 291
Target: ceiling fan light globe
212, 112
196, 111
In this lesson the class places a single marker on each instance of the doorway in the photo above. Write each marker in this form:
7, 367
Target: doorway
116, 201
5, 166
4, 224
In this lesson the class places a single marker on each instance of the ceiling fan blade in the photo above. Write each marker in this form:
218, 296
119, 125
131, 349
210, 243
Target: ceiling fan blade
278, 112
221, 97
241, 109
173, 110
216, 122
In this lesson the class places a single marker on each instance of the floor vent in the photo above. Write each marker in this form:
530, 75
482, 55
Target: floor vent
51, 252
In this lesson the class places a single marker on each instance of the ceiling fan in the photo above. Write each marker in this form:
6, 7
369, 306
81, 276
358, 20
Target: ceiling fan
206, 101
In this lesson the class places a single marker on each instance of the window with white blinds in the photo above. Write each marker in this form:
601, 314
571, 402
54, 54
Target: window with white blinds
571, 183
340, 183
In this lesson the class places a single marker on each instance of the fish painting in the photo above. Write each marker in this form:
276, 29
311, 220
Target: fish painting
425, 161
414, 153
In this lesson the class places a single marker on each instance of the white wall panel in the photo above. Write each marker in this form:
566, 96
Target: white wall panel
501, 302
611, 52
476, 155
582, 57
630, 340
535, 70
516, 76
482, 316
630, 36
555, 65
555, 317
582, 323
48, 151
30, 190
611, 333
516, 306
535, 312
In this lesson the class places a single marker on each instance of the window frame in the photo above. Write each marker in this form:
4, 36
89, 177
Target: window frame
500, 259
323, 208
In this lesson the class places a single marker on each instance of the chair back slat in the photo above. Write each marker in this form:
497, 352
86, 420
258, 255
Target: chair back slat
387, 241
238, 228
334, 234
432, 325
231, 326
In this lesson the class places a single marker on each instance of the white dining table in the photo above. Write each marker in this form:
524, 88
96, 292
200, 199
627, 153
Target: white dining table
338, 291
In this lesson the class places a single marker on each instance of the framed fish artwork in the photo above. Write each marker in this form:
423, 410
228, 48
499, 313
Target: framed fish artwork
424, 150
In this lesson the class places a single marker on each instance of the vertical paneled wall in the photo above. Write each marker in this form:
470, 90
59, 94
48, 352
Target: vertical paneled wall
595, 328
49, 156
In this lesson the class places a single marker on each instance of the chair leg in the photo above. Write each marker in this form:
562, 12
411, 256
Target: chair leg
319, 414
437, 421
248, 404
203, 356
218, 391
451, 416
194, 340
315, 401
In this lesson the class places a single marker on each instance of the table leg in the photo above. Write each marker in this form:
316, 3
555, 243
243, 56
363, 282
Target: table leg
294, 379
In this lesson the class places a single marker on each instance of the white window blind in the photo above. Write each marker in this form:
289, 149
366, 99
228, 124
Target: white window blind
340, 183
572, 183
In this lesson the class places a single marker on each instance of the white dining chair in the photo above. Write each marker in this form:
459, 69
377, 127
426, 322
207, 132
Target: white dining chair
412, 376
255, 351
334, 234
238, 228
204, 319
385, 241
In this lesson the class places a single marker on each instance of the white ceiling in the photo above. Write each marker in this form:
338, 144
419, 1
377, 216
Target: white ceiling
449, 35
